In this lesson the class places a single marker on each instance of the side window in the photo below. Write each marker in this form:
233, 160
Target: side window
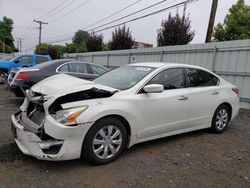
170, 79
78, 68
200, 78
64, 68
24, 59
41, 59
98, 70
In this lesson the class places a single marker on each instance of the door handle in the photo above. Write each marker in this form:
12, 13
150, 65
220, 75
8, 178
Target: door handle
183, 98
215, 92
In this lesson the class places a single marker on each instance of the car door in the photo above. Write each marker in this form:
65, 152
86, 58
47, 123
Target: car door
203, 96
165, 112
24, 61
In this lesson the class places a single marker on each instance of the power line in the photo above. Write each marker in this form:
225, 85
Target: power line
134, 19
63, 7
40, 30
148, 7
150, 14
131, 14
28, 28
52, 10
44, 15
85, 2
111, 15
19, 44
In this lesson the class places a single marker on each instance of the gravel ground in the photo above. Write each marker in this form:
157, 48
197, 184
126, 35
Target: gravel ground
197, 159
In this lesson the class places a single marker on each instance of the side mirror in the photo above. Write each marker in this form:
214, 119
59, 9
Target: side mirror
16, 61
153, 88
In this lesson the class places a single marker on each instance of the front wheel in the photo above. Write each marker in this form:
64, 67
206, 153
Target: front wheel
104, 141
3, 77
220, 119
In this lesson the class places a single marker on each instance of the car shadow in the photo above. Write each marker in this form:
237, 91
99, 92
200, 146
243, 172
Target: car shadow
10, 153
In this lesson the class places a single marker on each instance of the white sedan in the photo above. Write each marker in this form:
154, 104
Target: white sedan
64, 117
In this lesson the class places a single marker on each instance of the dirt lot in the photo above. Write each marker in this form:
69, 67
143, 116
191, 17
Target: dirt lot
197, 159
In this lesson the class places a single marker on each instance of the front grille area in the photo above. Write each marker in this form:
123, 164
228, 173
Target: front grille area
35, 113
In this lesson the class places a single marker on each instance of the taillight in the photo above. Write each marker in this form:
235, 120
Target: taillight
23, 76
236, 90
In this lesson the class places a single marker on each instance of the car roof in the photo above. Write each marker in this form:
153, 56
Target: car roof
163, 65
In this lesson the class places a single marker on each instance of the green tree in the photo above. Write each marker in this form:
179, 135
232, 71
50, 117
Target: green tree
74, 48
80, 37
6, 27
70, 48
80, 40
121, 39
94, 42
105, 47
55, 51
236, 25
175, 30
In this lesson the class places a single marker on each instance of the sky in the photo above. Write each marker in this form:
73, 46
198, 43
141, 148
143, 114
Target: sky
77, 14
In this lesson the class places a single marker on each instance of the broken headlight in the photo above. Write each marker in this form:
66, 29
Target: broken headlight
68, 116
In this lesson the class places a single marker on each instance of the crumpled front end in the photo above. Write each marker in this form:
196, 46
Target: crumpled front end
38, 134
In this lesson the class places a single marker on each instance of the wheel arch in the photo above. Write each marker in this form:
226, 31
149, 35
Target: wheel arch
229, 106
4, 70
124, 122
120, 118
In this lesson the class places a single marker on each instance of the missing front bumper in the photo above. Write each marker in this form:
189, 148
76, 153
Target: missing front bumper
30, 143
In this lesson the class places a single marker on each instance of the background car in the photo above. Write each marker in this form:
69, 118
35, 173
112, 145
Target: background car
66, 117
24, 60
21, 79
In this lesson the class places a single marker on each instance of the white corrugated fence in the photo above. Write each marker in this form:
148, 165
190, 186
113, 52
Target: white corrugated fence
230, 60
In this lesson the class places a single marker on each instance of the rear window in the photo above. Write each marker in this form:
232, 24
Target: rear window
41, 59
200, 78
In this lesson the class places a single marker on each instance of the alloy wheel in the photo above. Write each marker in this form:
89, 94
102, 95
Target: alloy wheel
221, 119
107, 142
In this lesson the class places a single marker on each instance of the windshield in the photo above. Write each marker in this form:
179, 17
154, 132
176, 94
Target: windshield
124, 77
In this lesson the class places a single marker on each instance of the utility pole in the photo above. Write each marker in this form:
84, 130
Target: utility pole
19, 44
40, 30
211, 21
3, 46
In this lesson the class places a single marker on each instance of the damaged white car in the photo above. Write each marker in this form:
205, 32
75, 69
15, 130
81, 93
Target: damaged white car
64, 117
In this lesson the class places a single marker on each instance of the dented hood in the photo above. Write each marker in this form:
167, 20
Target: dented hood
63, 84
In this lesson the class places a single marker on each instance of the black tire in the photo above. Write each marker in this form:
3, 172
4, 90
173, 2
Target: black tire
216, 126
3, 77
88, 145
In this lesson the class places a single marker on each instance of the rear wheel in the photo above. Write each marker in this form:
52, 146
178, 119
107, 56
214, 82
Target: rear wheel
3, 76
220, 119
105, 141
